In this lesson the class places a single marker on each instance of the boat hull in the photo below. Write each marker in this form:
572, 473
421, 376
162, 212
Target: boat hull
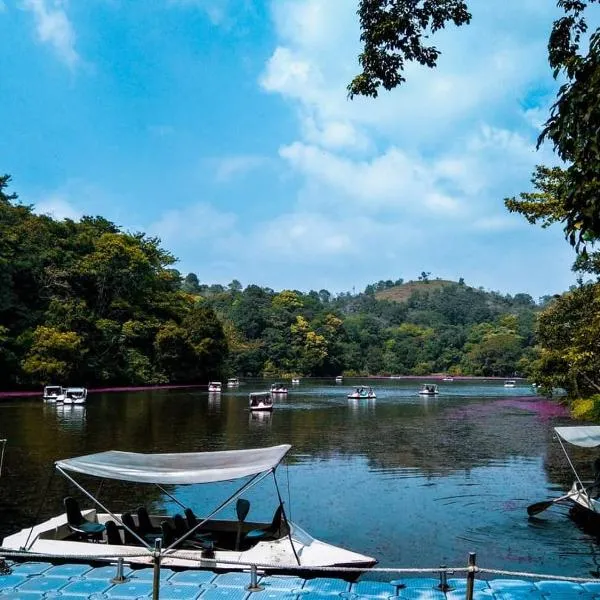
51, 539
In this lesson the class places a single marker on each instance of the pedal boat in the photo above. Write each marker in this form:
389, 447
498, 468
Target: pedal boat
224, 545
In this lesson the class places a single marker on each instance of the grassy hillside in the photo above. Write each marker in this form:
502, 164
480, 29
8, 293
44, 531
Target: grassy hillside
401, 293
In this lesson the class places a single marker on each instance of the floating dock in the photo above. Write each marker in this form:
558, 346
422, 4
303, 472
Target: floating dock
42, 580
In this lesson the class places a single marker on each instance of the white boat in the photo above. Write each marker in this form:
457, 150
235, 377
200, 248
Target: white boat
583, 495
233, 382
53, 393
295, 381
510, 383
362, 393
196, 543
279, 388
260, 401
214, 386
429, 389
448, 378
75, 395
339, 379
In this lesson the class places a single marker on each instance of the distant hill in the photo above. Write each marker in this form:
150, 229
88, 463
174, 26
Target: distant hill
402, 292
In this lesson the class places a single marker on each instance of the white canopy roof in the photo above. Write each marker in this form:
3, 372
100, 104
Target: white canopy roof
585, 436
191, 467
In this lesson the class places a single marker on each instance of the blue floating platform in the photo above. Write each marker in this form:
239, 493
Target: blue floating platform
44, 581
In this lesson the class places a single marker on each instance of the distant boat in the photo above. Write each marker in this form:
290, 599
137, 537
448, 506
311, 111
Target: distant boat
295, 381
75, 395
233, 382
53, 393
510, 383
448, 378
429, 389
339, 379
214, 386
362, 393
260, 401
279, 388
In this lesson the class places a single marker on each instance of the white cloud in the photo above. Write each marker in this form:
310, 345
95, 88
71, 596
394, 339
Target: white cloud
231, 166
53, 27
452, 142
191, 225
58, 207
390, 181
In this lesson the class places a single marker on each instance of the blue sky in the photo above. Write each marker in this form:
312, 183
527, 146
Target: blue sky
223, 127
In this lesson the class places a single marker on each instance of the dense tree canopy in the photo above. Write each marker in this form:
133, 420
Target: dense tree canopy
433, 326
83, 302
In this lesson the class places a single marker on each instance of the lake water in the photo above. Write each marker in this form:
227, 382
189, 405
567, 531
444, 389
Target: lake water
412, 481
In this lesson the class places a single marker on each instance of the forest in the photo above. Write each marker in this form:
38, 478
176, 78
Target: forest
84, 302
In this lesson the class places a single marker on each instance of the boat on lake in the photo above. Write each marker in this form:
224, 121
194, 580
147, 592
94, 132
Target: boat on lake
279, 388
429, 389
214, 386
339, 379
295, 381
75, 395
448, 378
583, 497
190, 541
362, 393
510, 383
233, 382
53, 393
260, 401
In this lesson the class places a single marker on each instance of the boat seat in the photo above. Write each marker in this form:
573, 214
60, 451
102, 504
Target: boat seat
144, 523
190, 518
130, 539
198, 538
78, 524
273, 531
113, 537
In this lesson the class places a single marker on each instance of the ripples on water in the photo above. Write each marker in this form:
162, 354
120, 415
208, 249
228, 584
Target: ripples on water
412, 481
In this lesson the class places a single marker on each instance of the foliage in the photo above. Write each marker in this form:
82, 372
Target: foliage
393, 33
432, 328
83, 302
569, 335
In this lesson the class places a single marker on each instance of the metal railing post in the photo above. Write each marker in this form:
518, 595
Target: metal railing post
119, 577
443, 585
156, 574
254, 587
471, 576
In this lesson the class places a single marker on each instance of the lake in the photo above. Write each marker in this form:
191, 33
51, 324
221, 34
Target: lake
412, 481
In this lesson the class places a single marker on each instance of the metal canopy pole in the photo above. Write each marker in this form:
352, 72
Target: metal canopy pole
229, 500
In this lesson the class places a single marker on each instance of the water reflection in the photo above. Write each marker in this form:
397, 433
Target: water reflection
362, 405
214, 402
260, 418
413, 481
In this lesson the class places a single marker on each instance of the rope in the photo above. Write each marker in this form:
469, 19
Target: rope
537, 575
206, 562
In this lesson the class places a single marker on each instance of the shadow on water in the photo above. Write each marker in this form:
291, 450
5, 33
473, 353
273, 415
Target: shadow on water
412, 481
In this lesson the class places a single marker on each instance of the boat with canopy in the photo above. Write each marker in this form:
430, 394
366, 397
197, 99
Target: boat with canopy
190, 542
582, 498
362, 393
429, 389
260, 401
